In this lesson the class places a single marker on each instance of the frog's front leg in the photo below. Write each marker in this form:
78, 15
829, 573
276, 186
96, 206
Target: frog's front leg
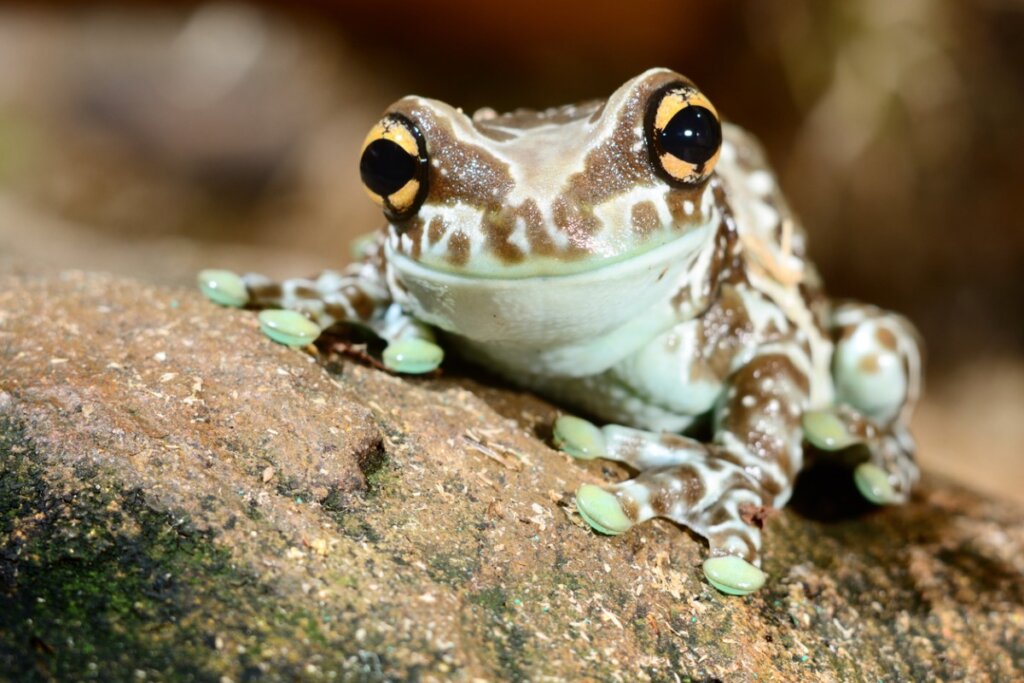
877, 372
716, 489
297, 310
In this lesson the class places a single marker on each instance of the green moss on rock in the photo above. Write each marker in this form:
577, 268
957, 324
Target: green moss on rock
98, 585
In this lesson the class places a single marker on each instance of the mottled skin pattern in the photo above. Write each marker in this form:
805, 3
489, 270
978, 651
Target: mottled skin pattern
551, 248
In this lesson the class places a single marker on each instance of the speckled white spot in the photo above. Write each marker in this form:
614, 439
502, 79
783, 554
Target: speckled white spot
761, 182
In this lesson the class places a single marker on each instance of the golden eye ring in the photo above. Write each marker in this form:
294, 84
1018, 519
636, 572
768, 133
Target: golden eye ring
684, 134
393, 166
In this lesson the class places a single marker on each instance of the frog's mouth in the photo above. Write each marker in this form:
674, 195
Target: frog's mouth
525, 240
550, 310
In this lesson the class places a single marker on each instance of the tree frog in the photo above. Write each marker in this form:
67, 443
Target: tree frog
635, 260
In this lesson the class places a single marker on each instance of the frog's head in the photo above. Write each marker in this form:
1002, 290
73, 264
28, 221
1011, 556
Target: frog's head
556, 192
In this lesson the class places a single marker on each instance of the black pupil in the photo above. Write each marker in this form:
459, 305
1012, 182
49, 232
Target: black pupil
692, 135
385, 167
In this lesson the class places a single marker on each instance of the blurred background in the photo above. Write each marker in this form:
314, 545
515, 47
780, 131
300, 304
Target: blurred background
154, 139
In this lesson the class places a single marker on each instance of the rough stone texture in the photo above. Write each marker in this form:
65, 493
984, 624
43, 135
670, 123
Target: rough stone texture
181, 499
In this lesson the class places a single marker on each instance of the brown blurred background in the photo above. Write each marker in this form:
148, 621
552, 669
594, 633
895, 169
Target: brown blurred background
154, 139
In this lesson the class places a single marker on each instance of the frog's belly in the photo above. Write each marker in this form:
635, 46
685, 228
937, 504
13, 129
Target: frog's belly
610, 395
664, 384
653, 387
604, 397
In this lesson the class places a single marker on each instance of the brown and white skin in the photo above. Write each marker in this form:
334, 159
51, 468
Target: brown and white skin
635, 260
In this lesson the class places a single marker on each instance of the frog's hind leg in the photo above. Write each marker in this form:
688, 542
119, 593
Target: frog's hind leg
877, 373
709, 495
720, 489
295, 311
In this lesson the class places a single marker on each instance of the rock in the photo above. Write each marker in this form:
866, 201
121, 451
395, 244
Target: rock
182, 499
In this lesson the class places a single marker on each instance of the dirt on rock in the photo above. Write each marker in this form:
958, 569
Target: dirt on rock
181, 499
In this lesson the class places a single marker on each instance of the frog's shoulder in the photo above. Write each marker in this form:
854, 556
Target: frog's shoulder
774, 242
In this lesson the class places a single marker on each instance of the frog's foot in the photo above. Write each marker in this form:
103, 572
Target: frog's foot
297, 310
287, 327
679, 480
713, 497
890, 471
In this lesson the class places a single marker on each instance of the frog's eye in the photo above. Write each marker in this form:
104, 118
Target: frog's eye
393, 166
684, 135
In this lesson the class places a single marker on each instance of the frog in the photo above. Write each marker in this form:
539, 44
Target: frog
633, 260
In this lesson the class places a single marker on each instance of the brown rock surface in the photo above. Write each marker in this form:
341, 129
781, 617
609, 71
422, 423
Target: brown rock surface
181, 499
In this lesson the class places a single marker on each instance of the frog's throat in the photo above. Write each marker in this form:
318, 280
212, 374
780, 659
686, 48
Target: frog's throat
545, 312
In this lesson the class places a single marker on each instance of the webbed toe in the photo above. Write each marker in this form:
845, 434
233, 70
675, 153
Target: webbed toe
733, 575
826, 430
873, 483
288, 327
601, 510
579, 438
413, 356
223, 287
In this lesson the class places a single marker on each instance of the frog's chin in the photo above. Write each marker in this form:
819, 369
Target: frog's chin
547, 311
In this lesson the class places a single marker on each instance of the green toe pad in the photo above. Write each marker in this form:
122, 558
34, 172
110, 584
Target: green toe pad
413, 356
825, 430
873, 484
578, 438
601, 510
288, 327
223, 287
733, 575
